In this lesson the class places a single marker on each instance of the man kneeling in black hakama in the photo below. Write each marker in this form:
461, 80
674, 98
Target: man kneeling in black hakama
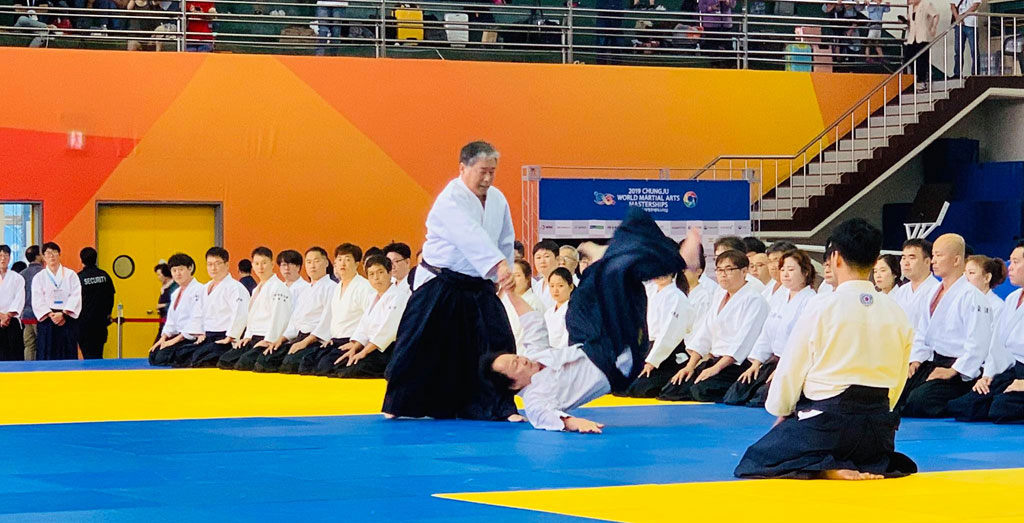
839, 378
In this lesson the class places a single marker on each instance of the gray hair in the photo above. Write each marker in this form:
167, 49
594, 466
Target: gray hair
573, 252
473, 152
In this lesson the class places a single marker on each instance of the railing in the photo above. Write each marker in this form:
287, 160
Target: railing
999, 30
746, 38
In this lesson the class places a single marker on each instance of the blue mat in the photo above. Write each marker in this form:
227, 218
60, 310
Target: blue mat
56, 365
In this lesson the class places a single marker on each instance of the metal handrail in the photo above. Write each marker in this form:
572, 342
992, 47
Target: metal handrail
864, 99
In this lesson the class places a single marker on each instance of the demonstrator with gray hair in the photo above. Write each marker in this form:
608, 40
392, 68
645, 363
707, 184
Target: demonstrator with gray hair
454, 315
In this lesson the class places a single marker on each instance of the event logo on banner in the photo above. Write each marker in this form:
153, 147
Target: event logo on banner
593, 208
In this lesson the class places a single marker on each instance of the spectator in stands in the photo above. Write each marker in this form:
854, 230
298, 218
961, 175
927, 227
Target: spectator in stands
31, 21
716, 19
97, 305
199, 37
876, 12
245, 275
964, 33
844, 14
28, 317
886, 274
327, 13
143, 24
609, 23
986, 274
922, 27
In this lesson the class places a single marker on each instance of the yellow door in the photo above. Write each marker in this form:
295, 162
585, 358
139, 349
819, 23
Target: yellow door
148, 234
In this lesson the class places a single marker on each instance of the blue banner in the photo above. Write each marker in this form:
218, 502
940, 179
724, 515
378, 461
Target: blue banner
666, 200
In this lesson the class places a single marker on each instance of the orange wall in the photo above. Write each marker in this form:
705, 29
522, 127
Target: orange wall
305, 150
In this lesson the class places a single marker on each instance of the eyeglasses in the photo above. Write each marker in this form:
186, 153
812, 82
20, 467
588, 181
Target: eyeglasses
725, 270
760, 265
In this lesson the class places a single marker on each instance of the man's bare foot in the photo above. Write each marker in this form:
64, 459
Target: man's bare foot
388, 416
516, 418
850, 475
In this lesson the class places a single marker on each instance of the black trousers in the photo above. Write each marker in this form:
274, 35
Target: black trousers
854, 430
650, 386
929, 399
55, 342
754, 393
305, 361
164, 357
372, 366
92, 336
12, 342
229, 360
712, 389
185, 356
997, 405
326, 357
272, 362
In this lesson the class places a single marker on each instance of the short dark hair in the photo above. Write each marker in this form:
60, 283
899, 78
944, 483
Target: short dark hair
18, 266
472, 150
804, 261
4, 248
754, 245
519, 247
50, 246
181, 259
398, 248
564, 274
732, 243
781, 246
222, 253
738, 258
244, 266
88, 256
858, 242
546, 245
262, 251
32, 253
920, 243
526, 267
319, 250
373, 251
289, 256
350, 249
163, 269
378, 259
500, 381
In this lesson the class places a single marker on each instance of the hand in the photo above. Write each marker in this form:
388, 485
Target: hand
224, 341
750, 374
200, 338
914, 365
1016, 386
296, 347
982, 386
583, 426
262, 344
355, 358
707, 374
770, 378
690, 249
684, 374
646, 373
244, 341
942, 374
57, 318
158, 345
504, 275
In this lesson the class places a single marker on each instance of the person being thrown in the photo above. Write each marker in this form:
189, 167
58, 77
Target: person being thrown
606, 321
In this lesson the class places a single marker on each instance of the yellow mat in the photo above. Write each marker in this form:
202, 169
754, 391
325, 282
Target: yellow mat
961, 496
135, 395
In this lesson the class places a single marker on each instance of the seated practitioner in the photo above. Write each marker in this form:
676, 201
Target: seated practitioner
306, 313
828, 278
545, 260
367, 353
317, 353
775, 252
289, 264
521, 277
669, 317
401, 264
560, 285
270, 309
606, 330
886, 275
728, 334
701, 290
986, 274
916, 267
797, 275
726, 243
12, 301
759, 269
569, 258
219, 319
839, 378
999, 394
184, 300
952, 336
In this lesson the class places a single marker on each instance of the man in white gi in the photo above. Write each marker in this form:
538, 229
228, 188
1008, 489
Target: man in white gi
839, 378
12, 301
184, 300
916, 266
270, 308
219, 319
56, 302
952, 335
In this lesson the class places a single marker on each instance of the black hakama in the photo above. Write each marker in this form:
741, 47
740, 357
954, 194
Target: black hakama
450, 323
55, 342
184, 355
650, 386
372, 366
929, 399
272, 362
984, 407
324, 365
752, 394
712, 389
855, 431
12, 342
230, 359
164, 357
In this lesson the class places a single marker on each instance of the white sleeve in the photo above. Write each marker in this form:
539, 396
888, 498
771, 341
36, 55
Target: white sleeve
361, 334
763, 346
18, 303
195, 319
999, 358
920, 352
40, 303
281, 315
239, 296
171, 327
74, 303
702, 335
291, 331
539, 402
469, 237
323, 328
788, 384
750, 327
672, 331
388, 331
978, 324
535, 335
507, 240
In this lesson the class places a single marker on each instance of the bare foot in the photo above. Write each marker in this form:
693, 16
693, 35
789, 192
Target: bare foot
849, 475
516, 418
388, 416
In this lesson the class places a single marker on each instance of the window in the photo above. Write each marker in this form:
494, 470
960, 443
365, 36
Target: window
22, 227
